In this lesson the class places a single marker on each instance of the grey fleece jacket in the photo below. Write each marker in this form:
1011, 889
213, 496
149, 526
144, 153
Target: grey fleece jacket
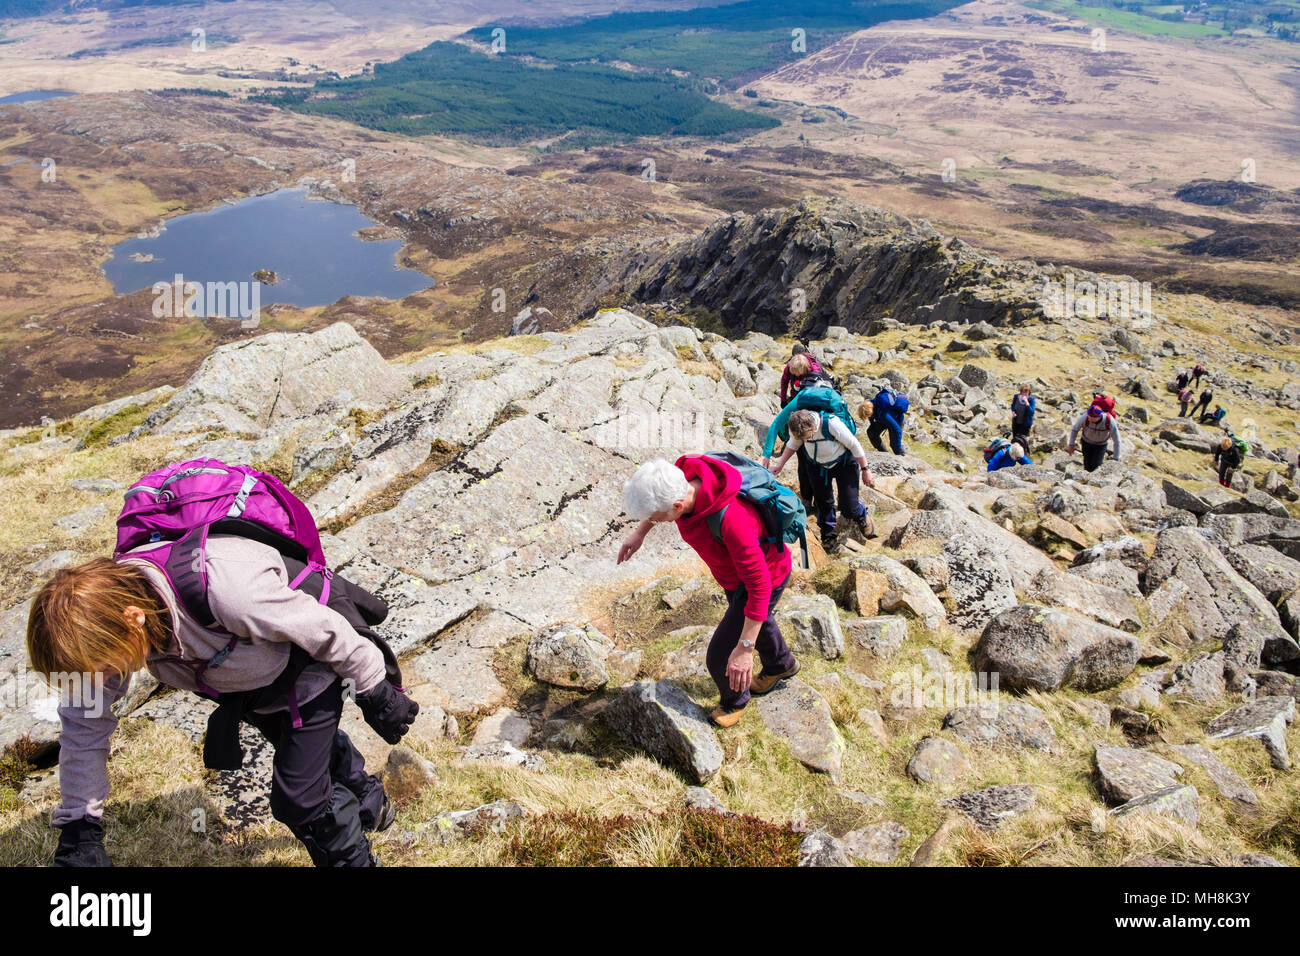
249, 595
1105, 430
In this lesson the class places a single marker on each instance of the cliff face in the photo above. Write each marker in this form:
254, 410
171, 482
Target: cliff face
830, 262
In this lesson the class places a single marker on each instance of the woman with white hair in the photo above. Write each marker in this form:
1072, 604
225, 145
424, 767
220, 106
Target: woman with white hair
832, 456
752, 574
1007, 456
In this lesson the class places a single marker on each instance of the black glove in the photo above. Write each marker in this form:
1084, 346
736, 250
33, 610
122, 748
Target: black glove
388, 711
81, 843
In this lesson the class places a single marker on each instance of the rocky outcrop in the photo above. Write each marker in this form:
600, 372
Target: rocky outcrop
1032, 647
851, 262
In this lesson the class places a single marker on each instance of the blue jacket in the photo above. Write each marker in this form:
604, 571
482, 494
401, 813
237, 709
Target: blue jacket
1002, 459
888, 412
1022, 413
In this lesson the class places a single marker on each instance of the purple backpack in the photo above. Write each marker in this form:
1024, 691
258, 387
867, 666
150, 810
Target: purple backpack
182, 504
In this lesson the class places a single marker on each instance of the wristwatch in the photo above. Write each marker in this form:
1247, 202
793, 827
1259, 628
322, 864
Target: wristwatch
747, 645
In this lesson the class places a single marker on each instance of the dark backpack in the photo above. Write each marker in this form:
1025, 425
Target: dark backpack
781, 509
995, 446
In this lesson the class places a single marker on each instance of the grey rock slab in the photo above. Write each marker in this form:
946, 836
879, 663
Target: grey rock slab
1228, 783
1264, 719
1011, 724
819, 848
882, 636
1123, 773
1182, 802
993, 806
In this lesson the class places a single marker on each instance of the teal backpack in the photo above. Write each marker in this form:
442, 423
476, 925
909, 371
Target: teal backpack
820, 399
781, 509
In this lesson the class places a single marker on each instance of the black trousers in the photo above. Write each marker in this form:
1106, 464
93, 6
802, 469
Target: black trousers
1093, 455
319, 786
843, 475
772, 649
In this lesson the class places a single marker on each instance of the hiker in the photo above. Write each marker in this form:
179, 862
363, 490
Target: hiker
1005, 454
221, 614
1184, 399
1203, 403
1023, 407
1098, 426
801, 365
834, 457
1215, 417
885, 412
1228, 456
1197, 373
1181, 381
702, 495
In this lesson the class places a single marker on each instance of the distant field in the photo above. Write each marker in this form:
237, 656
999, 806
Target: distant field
449, 88
1281, 19
719, 42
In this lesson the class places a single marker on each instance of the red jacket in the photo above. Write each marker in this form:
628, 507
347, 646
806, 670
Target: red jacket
789, 384
739, 559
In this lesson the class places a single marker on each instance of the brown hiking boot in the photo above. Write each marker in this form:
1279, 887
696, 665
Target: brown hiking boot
762, 683
722, 717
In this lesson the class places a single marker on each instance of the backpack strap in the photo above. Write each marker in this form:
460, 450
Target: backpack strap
714, 523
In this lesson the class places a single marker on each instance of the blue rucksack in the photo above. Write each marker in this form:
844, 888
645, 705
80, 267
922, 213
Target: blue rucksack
888, 398
781, 509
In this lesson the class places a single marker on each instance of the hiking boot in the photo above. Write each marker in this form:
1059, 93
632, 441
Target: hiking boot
830, 543
866, 525
765, 683
722, 717
386, 815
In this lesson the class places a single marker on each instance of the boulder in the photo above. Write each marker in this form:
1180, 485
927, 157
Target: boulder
1200, 679
1032, 647
1213, 594
811, 625
664, 721
877, 843
882, 636
1124, 774
979, 583
937, 761
570, 656
801, 717
819, 848
1127, 550
1011, 724
886, 585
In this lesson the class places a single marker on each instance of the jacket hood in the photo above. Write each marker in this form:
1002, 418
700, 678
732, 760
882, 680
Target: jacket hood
719, 483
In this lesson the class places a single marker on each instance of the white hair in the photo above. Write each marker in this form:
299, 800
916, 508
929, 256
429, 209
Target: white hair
1016, 452
656, 486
